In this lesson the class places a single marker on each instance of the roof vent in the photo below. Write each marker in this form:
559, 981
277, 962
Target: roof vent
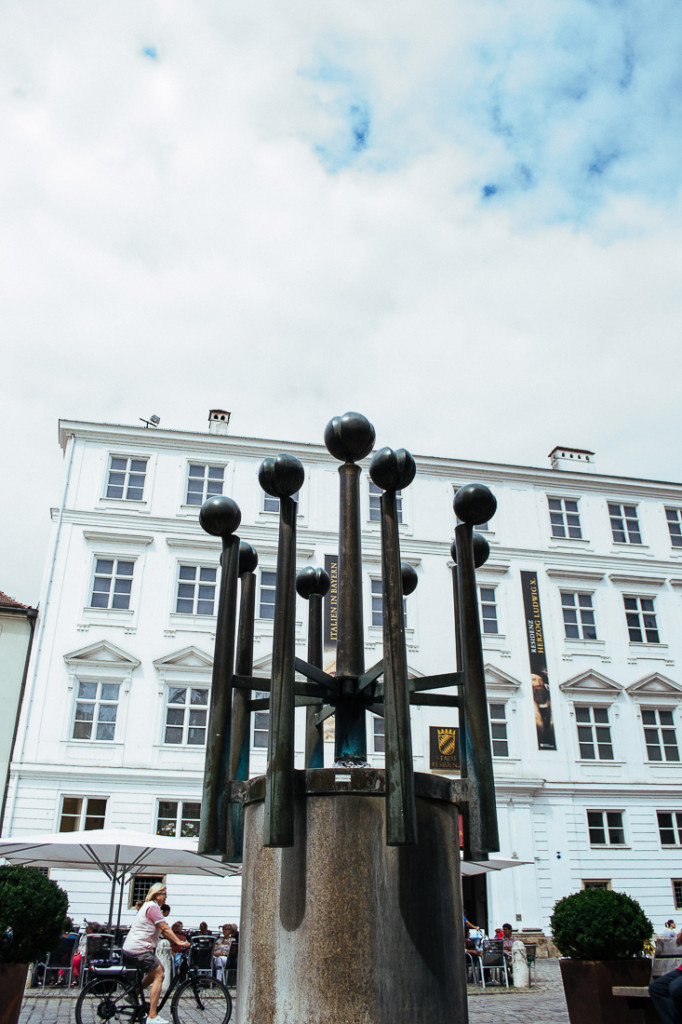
218, 421
574, 459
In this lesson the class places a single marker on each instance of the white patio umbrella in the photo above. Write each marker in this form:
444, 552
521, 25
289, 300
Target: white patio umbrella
118, 853
480, 867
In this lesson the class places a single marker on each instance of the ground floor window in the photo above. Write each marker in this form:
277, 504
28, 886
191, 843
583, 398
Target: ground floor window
677, 892
140, 885
596, 883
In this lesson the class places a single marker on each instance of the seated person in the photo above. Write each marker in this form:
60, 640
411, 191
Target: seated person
666, 992
469, 943
203, 929
670, 930
180, 938
507, 938
222, 951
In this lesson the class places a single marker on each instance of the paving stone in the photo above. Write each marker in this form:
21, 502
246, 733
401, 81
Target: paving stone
543, 1003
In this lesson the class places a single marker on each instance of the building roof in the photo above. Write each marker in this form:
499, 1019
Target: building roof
9, 602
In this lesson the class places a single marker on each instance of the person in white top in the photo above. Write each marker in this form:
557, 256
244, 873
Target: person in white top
139, 948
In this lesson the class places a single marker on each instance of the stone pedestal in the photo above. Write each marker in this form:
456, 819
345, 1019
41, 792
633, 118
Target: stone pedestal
340, 928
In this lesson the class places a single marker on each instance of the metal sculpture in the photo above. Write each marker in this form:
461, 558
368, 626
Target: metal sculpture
385, 689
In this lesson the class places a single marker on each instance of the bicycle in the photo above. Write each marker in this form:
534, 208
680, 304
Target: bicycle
115, 994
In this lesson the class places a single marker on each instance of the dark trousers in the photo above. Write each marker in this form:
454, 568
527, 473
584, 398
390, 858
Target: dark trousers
666, 995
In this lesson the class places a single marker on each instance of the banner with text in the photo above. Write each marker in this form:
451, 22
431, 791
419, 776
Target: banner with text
331, 613
542, 701
444, 749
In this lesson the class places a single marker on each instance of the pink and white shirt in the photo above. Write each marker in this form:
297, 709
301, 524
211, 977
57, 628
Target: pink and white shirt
145, 930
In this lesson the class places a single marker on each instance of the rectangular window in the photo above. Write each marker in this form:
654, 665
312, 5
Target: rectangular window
624, 523
375, 503
95, 715
606, 828
579, 623
126, 478
271, 504
378, 735
674, 517
112, 583
677, 892
186, 715
640, 614
140, 886
203, 481
564, 518
498, 730
261, 722
196, 590
488, 608
268, 583
596, 883
659, 734
378, 604
594, 733
670, 827
81, 813
178, 818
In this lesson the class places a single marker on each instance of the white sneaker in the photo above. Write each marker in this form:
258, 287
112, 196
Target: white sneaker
159, 1020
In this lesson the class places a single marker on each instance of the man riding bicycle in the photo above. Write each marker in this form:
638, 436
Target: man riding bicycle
139, 948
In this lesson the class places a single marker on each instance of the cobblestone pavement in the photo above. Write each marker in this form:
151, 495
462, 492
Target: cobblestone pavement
544, 1003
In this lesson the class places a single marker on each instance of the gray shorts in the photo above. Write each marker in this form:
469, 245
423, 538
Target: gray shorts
145, 962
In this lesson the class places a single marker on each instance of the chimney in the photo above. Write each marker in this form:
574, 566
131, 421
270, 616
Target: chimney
218, 421
573, 459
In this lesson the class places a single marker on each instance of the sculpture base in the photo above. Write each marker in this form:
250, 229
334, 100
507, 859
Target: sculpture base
340, 928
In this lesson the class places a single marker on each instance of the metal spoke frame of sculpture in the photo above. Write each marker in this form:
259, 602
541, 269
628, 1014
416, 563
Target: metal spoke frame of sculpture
384, 689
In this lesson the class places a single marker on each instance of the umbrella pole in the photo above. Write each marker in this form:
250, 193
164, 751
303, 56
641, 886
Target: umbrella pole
120, 898
113, 887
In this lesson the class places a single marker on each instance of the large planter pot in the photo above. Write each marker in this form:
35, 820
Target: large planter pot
12, 984
588, 984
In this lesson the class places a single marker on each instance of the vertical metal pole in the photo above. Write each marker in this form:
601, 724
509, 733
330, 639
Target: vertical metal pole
461, 711
113, 887
350, 730
314, 735
241, 716
278, 827
401, 811
213, 829
477, 736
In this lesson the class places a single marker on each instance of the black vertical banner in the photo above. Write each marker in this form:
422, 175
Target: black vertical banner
331, 613
544, 723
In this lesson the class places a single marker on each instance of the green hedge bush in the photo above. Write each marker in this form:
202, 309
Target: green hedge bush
599, 924
32, 914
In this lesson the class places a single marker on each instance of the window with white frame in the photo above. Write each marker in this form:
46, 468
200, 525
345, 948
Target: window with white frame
674, 519
578, 613
498, 729
82, 813
596, 883
624, 523
670, 827
378, 735
178, 818
660, 735
594, 733
261, 722
112, 583
95, 713
564, 518
377, 598
677, 892
268, 586
126, 477
203, 481
186, 715
271, 504
196, 594
375, 503
640, 614
606, 828
488, 608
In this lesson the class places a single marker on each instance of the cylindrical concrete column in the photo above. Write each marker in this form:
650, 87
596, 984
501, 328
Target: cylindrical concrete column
342, 929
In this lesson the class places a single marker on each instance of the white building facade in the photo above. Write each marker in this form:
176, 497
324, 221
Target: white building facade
587, 774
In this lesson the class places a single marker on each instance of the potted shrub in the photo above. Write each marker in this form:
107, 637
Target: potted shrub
602, 934
32, 914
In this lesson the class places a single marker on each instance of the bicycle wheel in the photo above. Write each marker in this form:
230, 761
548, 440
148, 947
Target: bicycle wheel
201, 1001
107, 999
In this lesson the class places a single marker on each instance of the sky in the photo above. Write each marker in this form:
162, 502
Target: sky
460, 217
